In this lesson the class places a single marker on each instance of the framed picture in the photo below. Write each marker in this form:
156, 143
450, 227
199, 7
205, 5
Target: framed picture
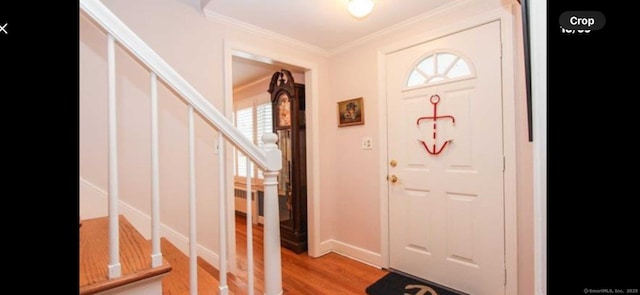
351, 112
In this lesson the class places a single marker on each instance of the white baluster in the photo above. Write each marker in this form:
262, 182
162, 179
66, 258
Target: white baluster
193, 258
115, 270
272, 259
156, 255
249, 229
222, 218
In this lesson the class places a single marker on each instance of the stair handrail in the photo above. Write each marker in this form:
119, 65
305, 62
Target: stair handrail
114, 26
268, 159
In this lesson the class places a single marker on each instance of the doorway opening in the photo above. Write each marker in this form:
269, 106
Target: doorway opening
252, 112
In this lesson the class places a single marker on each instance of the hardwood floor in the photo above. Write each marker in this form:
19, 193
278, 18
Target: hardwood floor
330, 274
302, 274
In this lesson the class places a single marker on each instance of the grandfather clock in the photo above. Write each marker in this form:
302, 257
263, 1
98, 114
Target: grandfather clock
287, 101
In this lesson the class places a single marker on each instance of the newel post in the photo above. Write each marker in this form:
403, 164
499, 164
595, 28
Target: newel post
272, 259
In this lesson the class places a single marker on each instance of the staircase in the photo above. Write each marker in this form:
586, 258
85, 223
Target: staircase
138, 277
117, 259
137, 274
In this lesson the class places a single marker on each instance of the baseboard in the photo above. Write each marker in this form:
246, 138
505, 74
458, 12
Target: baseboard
326, 247
352, 252
182, 243
94, 203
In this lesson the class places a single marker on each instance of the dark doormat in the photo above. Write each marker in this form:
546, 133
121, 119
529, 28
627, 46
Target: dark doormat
394, 283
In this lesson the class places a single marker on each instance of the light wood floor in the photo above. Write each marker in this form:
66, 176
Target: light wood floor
330, 274
301, 274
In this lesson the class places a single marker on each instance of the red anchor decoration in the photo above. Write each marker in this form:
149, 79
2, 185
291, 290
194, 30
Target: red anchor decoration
435, 99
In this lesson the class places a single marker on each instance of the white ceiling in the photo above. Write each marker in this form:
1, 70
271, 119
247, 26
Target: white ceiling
246, 71
324, 25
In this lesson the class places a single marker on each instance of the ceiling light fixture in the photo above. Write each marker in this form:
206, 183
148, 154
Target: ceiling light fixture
360, 8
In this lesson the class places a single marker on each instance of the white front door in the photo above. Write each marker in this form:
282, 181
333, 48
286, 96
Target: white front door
445, 152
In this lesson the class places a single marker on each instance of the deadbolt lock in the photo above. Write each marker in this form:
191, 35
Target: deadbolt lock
393, 163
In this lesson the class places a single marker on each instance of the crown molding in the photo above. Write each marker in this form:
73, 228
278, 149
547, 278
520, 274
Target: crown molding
330, 52
260, 31
399, 26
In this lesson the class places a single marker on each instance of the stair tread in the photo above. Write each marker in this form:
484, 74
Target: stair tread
135, 256
177, 282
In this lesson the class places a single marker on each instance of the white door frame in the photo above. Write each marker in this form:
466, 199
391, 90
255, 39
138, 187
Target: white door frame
232, 48
538, 33
508, 128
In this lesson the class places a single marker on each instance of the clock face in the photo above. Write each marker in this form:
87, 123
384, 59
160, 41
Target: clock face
284, 110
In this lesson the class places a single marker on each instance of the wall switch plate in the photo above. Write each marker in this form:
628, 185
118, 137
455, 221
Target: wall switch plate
367, 143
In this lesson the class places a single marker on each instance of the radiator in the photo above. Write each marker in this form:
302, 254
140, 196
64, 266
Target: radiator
240, 194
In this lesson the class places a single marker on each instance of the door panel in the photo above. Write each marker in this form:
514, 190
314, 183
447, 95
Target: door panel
446, 211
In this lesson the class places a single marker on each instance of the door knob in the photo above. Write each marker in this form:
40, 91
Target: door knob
393, 178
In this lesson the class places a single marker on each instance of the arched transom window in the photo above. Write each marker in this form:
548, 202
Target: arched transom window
439, 67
